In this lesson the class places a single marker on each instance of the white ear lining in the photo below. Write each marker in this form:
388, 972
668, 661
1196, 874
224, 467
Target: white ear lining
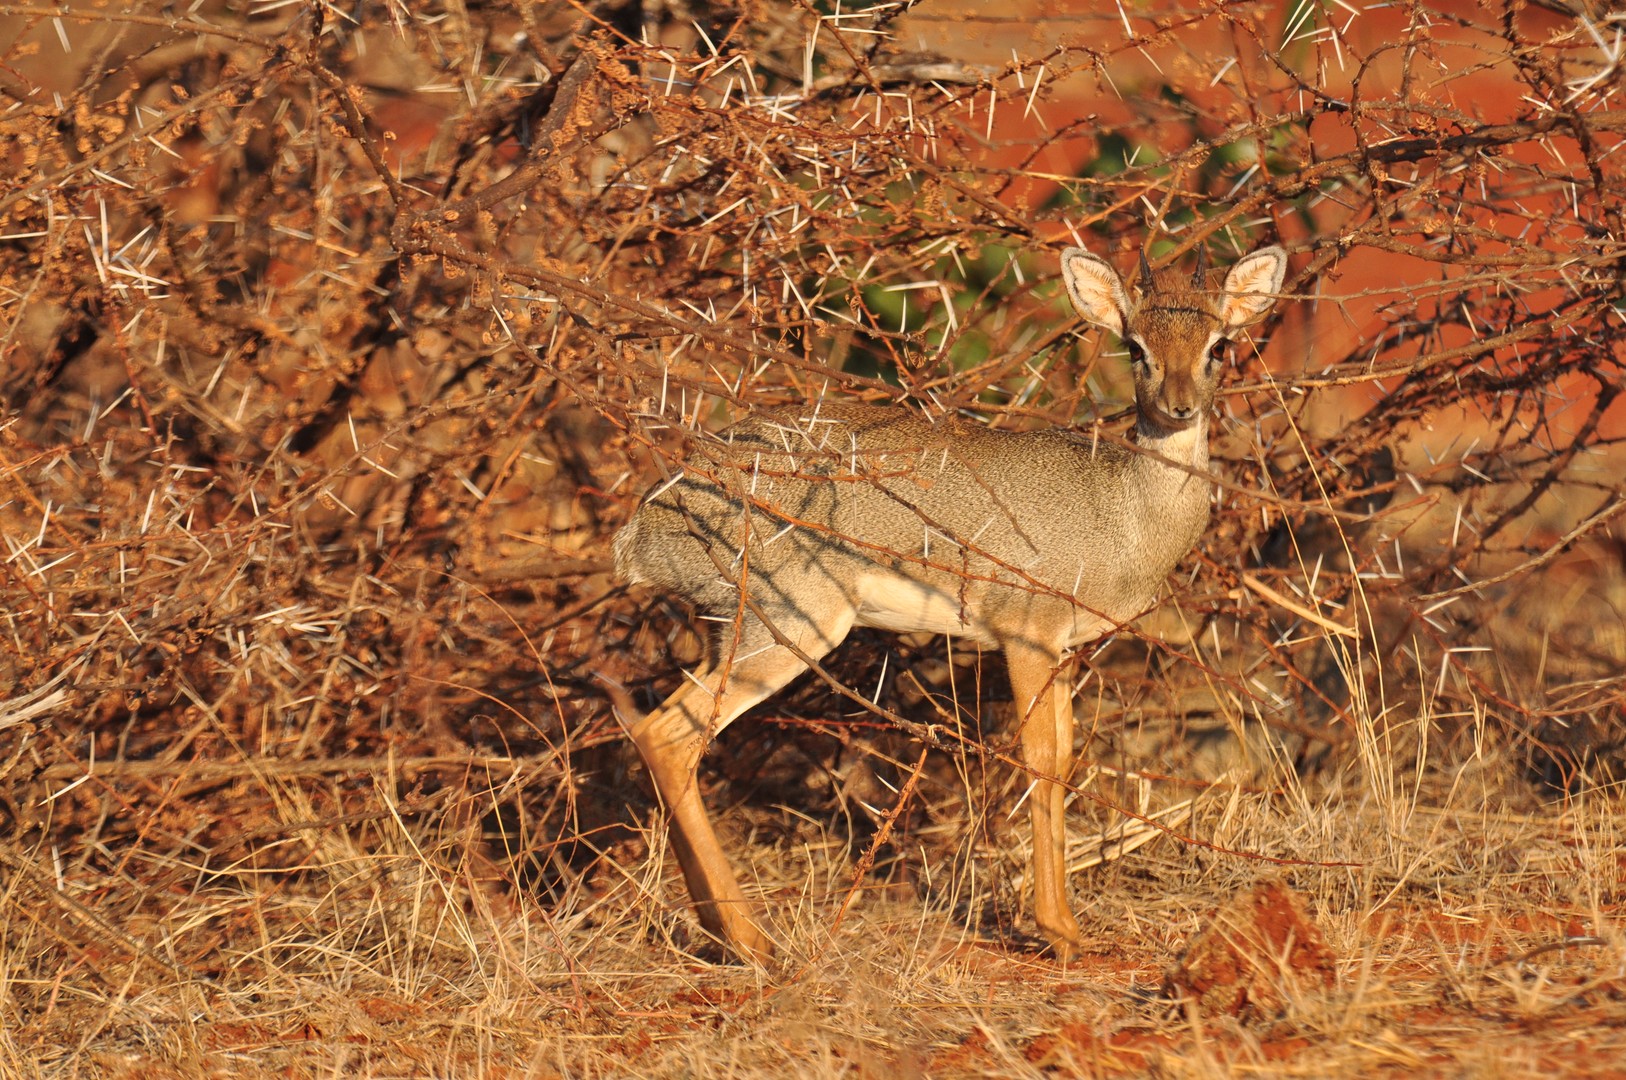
1251, 285
1095, 288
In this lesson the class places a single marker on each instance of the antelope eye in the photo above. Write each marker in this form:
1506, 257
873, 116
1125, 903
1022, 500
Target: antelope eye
1217, 351
1136, 353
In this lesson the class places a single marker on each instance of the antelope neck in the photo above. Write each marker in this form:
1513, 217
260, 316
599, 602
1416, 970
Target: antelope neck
1187, 445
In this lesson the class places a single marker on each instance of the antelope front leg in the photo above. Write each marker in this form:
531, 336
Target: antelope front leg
1043, 698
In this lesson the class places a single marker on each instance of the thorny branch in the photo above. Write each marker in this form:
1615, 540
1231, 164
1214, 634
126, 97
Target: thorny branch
307, 332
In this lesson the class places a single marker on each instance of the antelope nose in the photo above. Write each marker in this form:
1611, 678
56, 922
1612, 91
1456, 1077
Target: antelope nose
1182, 412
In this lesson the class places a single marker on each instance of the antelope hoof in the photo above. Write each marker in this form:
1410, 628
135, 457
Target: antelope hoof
1067, 941
741, 937
1066, 950
755, 949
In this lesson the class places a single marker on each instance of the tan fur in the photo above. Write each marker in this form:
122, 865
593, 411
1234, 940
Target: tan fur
833, 516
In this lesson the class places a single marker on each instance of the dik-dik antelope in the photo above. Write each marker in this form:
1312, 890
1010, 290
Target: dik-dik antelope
832, 516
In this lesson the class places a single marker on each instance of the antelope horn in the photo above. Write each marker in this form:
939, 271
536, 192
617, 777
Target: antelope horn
1201, 271
1145, 271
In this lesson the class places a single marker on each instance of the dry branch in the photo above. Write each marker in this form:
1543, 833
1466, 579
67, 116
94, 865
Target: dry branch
334, 346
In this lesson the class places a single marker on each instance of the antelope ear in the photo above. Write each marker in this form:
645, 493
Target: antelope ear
1251, 285
1096, 289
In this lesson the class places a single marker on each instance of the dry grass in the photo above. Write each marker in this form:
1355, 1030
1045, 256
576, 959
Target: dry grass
389, 950
334, 344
